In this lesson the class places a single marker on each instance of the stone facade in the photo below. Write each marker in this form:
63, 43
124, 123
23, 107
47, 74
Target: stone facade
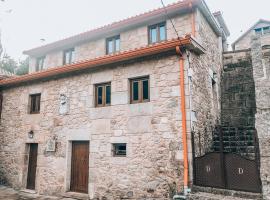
261, 73
130, 39
238, 90
205, 96
145, 127
153, 167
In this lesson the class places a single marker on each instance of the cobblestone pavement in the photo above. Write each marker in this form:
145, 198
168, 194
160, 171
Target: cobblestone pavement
7, 193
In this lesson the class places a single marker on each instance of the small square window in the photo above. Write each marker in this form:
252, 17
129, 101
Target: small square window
113, 44
35, 103
139, 90
103, 94
40, 63
266, 30
69, 56
258, 31
157, 33
119, 149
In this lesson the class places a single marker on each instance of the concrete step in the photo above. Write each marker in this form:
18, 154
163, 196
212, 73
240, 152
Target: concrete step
209, 196
28, 194
204, 193
75, 195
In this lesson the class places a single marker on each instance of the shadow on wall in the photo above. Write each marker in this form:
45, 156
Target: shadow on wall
3, 180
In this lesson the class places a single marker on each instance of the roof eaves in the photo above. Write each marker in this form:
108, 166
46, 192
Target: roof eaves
210, 17
188, 41
221, 21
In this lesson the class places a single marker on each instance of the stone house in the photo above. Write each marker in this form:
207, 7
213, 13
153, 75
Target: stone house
260, 28
108, 114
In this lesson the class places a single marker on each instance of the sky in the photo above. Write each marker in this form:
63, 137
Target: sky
24, 23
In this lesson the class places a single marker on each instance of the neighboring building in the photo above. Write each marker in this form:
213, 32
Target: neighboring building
261, 28
106, 113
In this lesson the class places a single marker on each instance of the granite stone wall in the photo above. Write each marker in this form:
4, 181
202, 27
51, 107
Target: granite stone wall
130, 39
205, 96
261, 73
238, 90
153, 167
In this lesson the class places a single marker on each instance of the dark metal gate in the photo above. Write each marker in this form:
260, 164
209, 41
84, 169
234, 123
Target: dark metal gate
227, 158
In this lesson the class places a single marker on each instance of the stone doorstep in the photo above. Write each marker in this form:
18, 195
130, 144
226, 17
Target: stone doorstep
226, 193
75, 195
27, 191
31, 194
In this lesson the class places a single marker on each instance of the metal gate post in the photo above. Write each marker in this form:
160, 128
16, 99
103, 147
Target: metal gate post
222, 160
193, 157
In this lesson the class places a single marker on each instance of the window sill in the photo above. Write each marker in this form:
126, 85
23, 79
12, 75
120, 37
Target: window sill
106, 106
34, 113
131, 103
119, 156
153, 43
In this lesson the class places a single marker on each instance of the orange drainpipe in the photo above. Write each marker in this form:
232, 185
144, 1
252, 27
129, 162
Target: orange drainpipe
184, 117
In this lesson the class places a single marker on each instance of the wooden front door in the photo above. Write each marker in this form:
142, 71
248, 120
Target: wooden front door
32, 166
79, 167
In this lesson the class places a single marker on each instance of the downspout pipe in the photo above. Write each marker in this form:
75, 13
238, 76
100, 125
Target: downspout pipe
184, 122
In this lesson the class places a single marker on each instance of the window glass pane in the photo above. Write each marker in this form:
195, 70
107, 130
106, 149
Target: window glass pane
153, 35
40, 63
110, 46
120, 149
135, 91
72, 56
66, 61
258, 31
266, 30
108, 94
99, 95
35, 103
33, 99
145, 90
162, 33
117, 44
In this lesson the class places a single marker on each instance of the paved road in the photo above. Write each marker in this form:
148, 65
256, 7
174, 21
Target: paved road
7, 193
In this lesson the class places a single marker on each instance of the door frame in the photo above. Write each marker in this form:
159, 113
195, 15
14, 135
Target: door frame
68, 163
26, 165
82, 149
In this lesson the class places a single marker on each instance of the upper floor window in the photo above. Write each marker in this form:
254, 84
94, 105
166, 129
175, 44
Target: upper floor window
103, 94
157, 33
262, 31
113, 44
40, 63
35, 103
266, 30
140, 90
69, 56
